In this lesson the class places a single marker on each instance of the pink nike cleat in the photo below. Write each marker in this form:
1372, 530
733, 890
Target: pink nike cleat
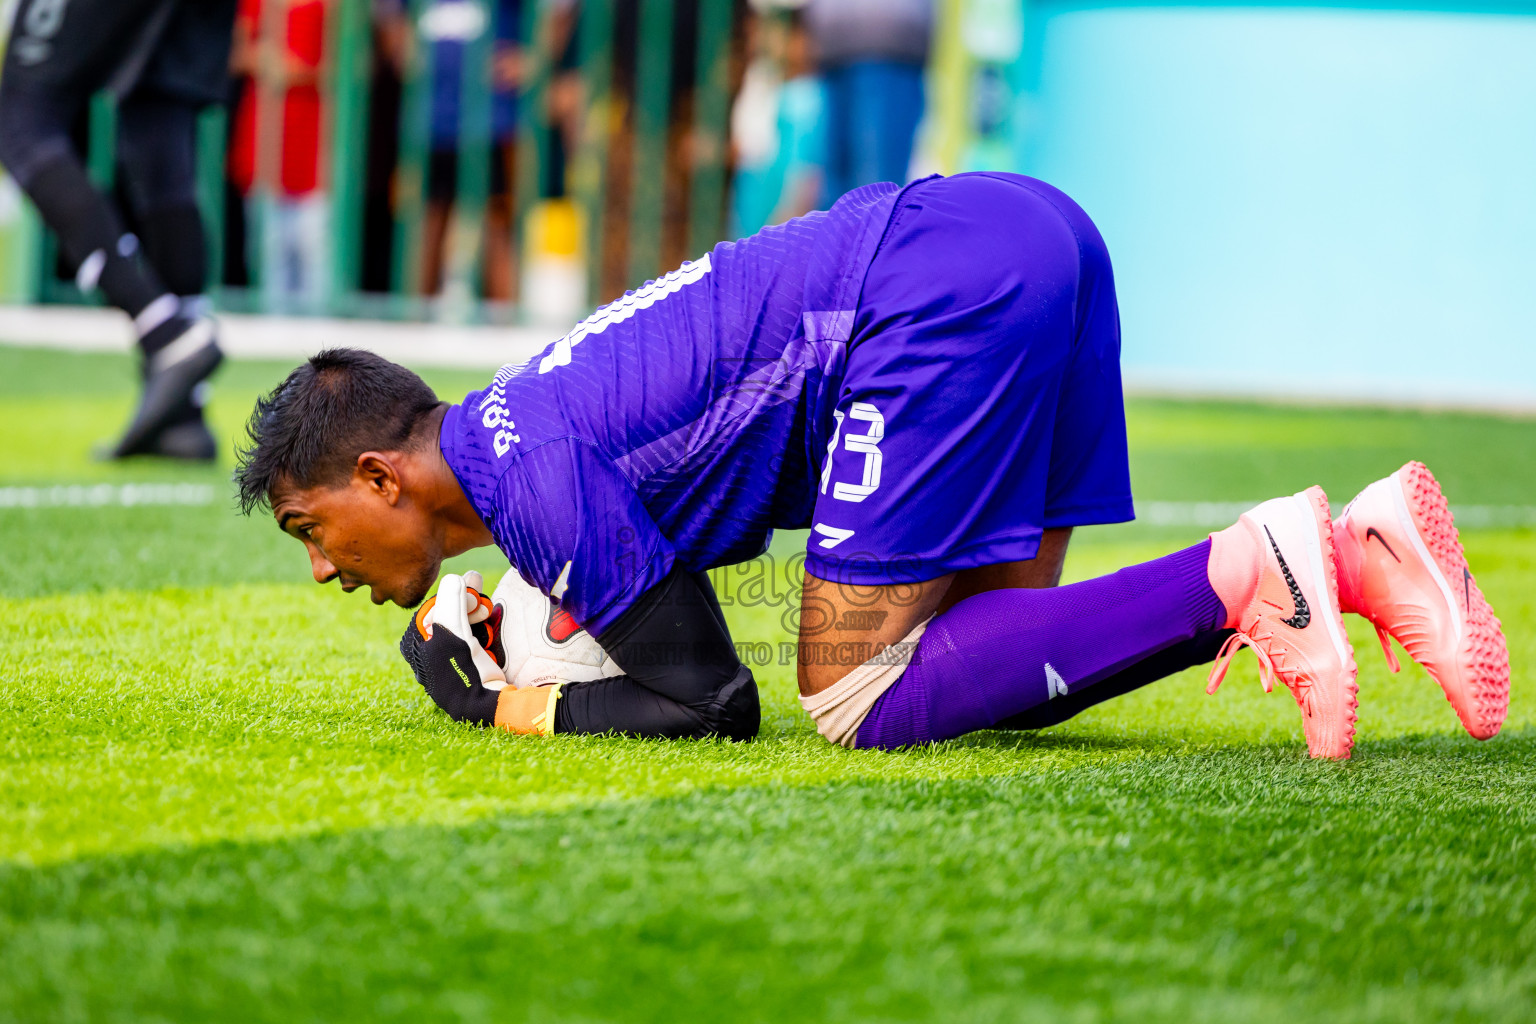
1275, 573
1401, 566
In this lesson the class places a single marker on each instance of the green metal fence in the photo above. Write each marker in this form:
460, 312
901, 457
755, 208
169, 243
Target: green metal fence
619, 163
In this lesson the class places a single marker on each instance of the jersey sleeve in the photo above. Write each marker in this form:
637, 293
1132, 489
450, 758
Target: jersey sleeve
572, 525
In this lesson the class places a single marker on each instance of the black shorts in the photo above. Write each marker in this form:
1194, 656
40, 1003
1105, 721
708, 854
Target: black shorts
68, 49
443, 173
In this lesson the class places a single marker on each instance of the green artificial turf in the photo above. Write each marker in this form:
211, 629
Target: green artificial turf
223, 798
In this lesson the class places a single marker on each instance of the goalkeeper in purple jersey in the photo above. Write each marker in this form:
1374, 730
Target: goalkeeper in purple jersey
925, 378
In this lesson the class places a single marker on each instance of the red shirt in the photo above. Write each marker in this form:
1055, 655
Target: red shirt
300, 173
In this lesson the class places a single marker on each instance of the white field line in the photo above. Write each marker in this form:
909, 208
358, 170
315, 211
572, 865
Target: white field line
1152, 513
1225, 513
107, 495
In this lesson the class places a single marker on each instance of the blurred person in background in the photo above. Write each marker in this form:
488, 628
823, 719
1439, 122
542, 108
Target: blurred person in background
682, 147
163, 60
566, 92
777, 130
275, 158
872, 55
448, 27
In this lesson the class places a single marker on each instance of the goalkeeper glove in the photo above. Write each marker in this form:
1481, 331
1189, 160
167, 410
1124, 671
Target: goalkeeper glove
485, 617
451, 662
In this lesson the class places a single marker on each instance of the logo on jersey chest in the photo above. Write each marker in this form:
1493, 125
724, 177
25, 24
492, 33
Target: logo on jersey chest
494, 416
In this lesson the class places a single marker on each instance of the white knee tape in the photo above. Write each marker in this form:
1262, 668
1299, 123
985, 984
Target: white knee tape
841, 708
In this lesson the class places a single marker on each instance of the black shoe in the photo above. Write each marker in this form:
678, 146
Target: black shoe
170, 377
185, 436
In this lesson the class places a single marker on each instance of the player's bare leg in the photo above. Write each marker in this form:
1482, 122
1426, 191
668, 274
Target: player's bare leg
834, 615
846, 618
842, 625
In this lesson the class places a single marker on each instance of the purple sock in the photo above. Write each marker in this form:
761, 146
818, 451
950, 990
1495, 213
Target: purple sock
998, 654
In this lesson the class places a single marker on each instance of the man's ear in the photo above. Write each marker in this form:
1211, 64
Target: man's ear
380, 475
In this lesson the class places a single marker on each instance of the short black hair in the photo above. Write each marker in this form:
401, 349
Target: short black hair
310, 430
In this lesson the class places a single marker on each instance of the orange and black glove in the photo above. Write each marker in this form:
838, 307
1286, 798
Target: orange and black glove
451, 656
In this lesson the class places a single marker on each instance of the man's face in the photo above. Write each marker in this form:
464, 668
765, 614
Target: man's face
364, 534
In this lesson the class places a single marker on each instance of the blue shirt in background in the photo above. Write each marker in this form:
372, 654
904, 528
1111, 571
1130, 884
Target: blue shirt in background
449, 27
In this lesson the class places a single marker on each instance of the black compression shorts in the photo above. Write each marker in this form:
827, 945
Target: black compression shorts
68, 49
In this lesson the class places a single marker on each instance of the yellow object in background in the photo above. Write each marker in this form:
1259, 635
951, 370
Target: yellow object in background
554, 266
554, 228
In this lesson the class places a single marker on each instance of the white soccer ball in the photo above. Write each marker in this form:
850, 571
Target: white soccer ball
543, 644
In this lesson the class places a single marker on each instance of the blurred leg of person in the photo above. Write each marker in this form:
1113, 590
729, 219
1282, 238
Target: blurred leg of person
311, 227
267, 253
157, 151
186, 70
499, 269
278, 275
295, 252
300, 205
442, 187
59, 53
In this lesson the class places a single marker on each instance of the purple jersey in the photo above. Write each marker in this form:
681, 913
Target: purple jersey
926, 378
680, 423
